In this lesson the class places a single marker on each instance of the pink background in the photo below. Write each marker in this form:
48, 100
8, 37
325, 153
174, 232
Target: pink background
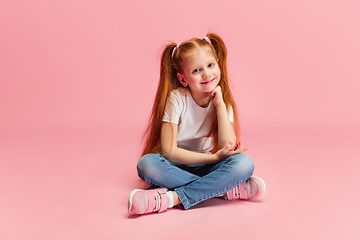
77, 81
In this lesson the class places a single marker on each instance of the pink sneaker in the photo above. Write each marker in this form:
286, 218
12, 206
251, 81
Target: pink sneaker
148, 201
252, 188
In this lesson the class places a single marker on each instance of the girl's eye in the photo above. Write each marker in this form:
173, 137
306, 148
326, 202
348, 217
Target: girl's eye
196, 70
211, 64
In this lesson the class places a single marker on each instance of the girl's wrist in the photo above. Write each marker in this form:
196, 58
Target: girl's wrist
220, 106
218, 157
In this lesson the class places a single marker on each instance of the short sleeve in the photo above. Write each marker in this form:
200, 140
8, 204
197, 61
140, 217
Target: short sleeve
174, 107
231, 114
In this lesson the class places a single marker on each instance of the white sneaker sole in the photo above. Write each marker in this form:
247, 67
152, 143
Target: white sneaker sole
130, 199
262, 181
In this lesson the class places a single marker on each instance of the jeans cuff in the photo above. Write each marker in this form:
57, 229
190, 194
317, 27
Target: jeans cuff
183, 199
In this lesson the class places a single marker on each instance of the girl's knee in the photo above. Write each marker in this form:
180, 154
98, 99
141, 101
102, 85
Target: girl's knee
244, 164
146, 164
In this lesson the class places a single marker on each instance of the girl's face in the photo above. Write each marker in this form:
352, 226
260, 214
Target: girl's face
200, 72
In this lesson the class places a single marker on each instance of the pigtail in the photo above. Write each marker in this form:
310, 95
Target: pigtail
152, 133
221, 53
220, 49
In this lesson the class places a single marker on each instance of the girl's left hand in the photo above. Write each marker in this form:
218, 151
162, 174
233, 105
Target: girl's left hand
230, 149
216, 96
239, 147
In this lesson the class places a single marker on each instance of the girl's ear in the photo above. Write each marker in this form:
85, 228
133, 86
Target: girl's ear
182, 79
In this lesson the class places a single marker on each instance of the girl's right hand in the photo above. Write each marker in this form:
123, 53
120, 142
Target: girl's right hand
230, 149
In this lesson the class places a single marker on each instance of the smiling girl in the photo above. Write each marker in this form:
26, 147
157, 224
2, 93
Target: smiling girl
192, 152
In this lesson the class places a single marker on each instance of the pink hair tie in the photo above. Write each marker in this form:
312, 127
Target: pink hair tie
207, 39
177, 46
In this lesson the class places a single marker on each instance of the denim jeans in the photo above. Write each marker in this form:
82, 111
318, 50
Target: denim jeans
195, 183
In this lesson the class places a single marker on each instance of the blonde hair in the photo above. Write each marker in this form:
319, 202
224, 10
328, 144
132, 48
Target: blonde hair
171, 63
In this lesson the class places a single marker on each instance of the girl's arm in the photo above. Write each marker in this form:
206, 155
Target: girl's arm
226, 131
178, 155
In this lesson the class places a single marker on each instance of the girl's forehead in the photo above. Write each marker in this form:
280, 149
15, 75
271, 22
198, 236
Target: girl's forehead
194, 54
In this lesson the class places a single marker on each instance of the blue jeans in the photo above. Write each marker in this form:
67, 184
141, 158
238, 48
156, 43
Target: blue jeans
195, 183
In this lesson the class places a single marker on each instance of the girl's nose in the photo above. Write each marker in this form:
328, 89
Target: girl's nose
205, 74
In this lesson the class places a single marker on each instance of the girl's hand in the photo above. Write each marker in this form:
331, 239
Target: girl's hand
216, 96
230, 149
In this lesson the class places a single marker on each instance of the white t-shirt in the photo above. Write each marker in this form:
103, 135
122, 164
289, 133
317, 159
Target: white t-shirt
194, 122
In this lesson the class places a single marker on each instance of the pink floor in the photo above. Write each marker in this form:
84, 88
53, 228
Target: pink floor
62, 184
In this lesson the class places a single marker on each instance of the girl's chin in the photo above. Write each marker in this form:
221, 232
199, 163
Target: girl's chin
206, 89
211, 88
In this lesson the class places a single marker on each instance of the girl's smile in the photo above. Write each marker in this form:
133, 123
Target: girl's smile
207, 82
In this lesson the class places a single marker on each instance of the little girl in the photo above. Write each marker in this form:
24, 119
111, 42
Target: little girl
191, 151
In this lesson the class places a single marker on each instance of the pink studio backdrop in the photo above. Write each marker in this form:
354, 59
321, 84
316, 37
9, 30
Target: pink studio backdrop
94, 64
77, 81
